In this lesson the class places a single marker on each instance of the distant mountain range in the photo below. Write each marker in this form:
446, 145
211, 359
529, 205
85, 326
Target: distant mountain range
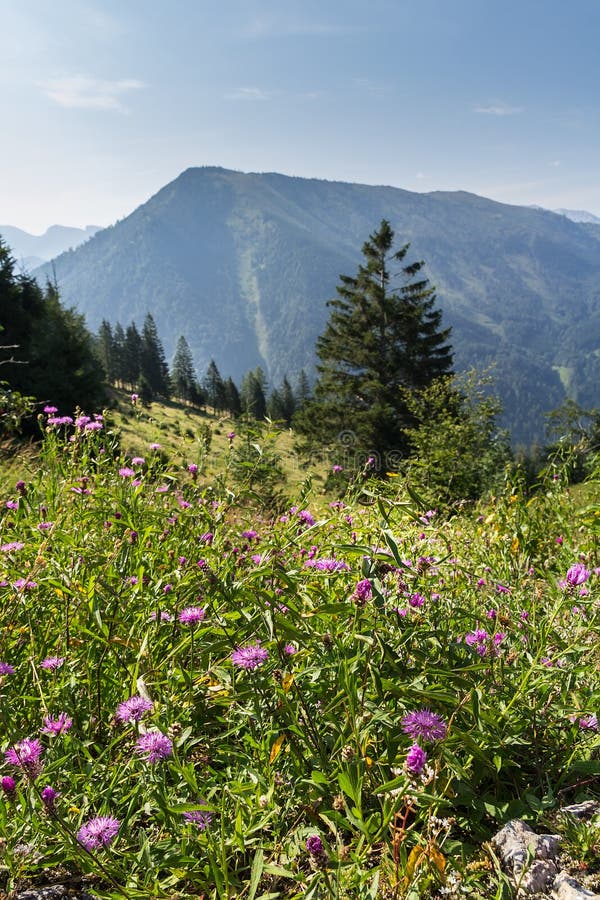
579, 215
32, 250
243, 264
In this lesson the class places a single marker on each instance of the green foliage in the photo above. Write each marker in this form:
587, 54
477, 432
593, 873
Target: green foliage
277, 654
380, 341
457, 452
55, 362
183, 377
243, 266
14, 407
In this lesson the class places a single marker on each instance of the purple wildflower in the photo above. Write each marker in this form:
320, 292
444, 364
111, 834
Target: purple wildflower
335, 469
162, 616
126, 472
191, 615
423, 723
192, 468
26, 755
477, 639
49, 796
59, 420
363, 590
22, 584
249, 657
56, 724
99, 832
156, 446
52, 663
9, 785
250, 534
154, 745
133, 709
306, 517
289, 650
12, 546
415, 760
50, 410
45, 526
314, 845
576, 575
6, 669
589, 722
327, 565
201, 818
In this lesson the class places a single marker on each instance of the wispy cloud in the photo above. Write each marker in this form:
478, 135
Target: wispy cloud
249, 93
82, 92
281, 27
498, 109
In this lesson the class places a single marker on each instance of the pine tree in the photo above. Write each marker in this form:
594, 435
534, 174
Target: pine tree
303, 391
252, 393
105, 349
51, 350
119, 354
183, 376
233, 403
153, 366
288, 401
132, 357
214, 387
379, 340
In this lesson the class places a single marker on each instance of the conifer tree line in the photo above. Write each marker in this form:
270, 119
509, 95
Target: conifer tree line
135, 361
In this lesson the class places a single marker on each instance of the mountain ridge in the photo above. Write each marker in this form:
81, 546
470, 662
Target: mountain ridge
244, 263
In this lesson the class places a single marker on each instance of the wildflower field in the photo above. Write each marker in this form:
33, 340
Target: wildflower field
206, 696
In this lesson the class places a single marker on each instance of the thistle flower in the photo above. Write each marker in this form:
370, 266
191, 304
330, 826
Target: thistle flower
49, 796
249, 657
99, 832
425, 724
133, 709
576, 575
314, 845
9, 785
415, 760
52, 663
56, 724
201, 818
26, 755
191, 615
154, 745
6, 669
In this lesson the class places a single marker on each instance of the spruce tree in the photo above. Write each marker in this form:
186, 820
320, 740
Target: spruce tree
51, 350
380, 340
153, 366
105, 350
119, 354
233, 403
252, 393
183, 376
214, 387
132, 357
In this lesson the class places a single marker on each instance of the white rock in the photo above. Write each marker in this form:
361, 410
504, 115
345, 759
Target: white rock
567, 888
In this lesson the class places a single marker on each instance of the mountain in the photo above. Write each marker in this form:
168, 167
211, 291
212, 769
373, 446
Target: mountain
579, 215
243, 264
32, 250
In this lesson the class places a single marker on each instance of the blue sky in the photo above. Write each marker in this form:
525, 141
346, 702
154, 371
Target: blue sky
105, 101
